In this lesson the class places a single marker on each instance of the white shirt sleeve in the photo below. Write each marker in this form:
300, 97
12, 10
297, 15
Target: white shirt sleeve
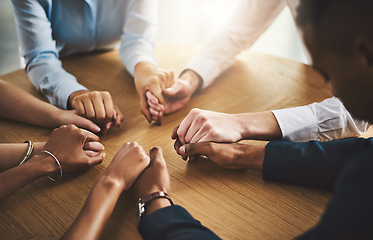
322, 121
137, 41
249, 21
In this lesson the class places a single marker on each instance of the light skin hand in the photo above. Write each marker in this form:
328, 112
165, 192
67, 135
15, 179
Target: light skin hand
176, 96
98, 107
67, 144
155, 178
149, 77
205, 126
234, 156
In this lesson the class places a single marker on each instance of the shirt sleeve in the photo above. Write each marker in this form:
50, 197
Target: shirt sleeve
322, 121
39, 50
311, 164
249, 21
173, 223
349, 214
137, 40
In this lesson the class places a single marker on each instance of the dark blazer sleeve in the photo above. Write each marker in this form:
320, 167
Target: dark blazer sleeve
349, 214
173, 223
312, 164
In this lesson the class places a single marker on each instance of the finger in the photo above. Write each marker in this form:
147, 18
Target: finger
193, 129
175, 90
200, 134
99, 108
204, 148
89, 109
157, 107
90, 153
177, 145
86, 123
97, 159
107, 127
109, 106
94, 146
185, 125
118, 117
156, 90
170, 79
151, 98
79, 107
89, 136
154, 112
156, 153
144, 108
174, 133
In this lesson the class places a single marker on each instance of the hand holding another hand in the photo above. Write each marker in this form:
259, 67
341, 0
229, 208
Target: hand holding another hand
149, 77
127, 165
98, 107
76, 149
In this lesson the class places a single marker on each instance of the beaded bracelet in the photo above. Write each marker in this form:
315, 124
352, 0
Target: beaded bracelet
28, 153
58, 163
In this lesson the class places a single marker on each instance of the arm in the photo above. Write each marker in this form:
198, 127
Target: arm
123, 170
313, 164
41, 55
349, 212
322, 121
19, 105
137, 52
177, 223
249, 21
66, 143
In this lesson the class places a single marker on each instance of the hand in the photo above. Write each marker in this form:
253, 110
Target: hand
176, 96
204, 126
155, 177
65, 117
233, 156
67, 144
127, 165
151, 78
98, 107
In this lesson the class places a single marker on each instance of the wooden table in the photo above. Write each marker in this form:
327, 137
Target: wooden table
234, 204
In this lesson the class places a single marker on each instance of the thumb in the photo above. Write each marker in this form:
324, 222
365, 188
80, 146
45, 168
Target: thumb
173, 90
204, 148
86, 123
156, 154
97, 159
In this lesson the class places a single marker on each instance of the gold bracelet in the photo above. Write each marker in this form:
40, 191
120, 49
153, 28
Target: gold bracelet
58, 163
28, 153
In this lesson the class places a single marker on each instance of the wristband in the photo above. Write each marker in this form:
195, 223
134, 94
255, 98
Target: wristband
58, 163
144, 200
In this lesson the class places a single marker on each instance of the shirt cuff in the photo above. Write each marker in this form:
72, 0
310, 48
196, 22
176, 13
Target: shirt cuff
297, 124
131, 61
62, 97
207, 68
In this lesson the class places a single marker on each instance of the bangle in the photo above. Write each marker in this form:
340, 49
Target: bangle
28, 153
58, 163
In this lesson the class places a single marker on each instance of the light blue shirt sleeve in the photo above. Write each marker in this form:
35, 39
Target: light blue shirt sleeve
41, 55
137, 40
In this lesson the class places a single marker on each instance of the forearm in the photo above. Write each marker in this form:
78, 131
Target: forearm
12, 154
96, 211
18, 177
16, 104
259, 126
312, 164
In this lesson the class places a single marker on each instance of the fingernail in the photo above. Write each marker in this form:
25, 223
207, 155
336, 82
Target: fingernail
153, 101
97, 129
182, 150
104, 155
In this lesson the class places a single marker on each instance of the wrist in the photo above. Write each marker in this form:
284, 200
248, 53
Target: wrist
156, 204
111, 184
44, 163
259, 126
195, 81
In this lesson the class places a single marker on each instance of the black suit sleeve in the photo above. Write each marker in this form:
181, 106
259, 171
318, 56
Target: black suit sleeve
173, 223
312, 164
349, 214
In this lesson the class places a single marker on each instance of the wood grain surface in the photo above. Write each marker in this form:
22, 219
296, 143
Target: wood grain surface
234, 204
